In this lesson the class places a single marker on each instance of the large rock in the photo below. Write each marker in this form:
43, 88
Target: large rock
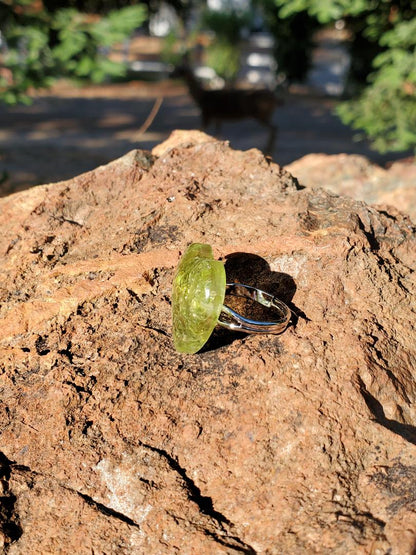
111, 442
357, 177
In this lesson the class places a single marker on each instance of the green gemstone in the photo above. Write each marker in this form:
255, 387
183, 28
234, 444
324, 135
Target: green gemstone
197, 297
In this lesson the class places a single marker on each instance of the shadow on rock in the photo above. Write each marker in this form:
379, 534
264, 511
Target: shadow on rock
406, 431
253, 270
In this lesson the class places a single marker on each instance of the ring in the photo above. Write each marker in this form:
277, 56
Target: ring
198, 293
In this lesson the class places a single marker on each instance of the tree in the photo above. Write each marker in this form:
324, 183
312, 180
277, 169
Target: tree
41, 41
382, 79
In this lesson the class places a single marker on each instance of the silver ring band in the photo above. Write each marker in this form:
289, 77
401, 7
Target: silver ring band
237, 322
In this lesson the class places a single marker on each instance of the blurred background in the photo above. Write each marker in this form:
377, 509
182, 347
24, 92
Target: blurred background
82, 83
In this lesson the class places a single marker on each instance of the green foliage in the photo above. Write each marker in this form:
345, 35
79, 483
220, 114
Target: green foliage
43, 45
224, 58
293, 41
223, 54
386, 109
118, 25
173, 48
226, 25
382, 76
324, 11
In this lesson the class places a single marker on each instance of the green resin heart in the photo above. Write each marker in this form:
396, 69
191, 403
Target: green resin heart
197, 297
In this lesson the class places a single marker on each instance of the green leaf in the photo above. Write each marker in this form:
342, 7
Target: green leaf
118, 25
403, 35
85, 66
71, 45
324, 10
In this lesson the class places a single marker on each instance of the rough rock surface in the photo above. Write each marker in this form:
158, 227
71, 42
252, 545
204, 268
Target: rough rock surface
111, 442
357, 177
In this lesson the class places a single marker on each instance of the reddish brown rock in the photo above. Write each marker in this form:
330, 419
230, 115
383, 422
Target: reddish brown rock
357, 177
111, 442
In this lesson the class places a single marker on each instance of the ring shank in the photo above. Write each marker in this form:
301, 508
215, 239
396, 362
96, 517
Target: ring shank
246, 325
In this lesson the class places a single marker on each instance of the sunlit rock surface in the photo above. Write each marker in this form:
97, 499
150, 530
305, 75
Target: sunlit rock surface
112, 442
392, 189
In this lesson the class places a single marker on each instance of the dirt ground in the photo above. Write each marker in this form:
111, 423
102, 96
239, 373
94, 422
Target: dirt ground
69, 130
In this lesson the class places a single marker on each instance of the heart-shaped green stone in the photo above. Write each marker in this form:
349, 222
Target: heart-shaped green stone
197, 297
